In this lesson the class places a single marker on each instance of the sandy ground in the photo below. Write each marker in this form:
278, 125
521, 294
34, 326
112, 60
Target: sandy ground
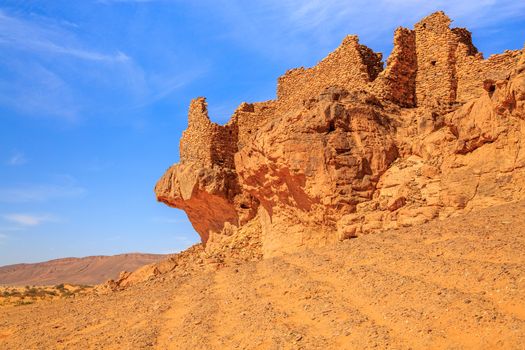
452, 284
19, 296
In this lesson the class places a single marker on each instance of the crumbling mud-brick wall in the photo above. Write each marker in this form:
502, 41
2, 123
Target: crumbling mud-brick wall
430, 65
472, 71
397, 83
436, 44
207, 143
350, 66
449, 67
195, 143
224, 145
249, 118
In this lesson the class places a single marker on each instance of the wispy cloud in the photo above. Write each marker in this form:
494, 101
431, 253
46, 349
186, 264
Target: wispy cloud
39, 58
162, 85
53, 68
318, 14
276, 22
10, 229
18, 158
5, 233
39, 193
28, 219
290, 28
30, 88
26, 35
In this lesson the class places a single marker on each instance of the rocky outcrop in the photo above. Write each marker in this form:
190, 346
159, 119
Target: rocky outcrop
348, 148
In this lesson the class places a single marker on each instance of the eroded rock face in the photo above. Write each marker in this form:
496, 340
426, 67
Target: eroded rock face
312, 165
348, 148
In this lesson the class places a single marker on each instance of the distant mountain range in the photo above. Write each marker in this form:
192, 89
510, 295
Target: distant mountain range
89, 270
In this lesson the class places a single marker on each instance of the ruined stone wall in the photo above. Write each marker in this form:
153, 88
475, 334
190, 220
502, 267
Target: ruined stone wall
224, 145
464, 38
250, 117
350, 66
195, 143
207, 143
472, 71
397, 83
449, 67
372, 60
432, 65
436, 70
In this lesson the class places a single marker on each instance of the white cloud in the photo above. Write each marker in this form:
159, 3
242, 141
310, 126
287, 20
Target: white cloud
31, 88
163, 85
18, 158
39, 193
10, 229
26, 35
52, 68
295, 28
44, 61
3, 233
317, 14
28, 219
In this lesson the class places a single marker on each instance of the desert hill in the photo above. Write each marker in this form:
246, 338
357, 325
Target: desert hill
89, 270
457, 283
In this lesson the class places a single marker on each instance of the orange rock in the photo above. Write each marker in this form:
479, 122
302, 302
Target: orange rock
348, 148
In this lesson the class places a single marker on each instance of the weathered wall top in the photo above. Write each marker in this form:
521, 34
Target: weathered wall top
351, 65
431, 64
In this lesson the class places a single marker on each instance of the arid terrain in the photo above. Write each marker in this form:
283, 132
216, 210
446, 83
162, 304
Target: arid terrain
19, 296
89, 270
457, 283
367, 206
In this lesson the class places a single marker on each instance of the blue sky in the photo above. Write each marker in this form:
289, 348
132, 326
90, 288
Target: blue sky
94, 94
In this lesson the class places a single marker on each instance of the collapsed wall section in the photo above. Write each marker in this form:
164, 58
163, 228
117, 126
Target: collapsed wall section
249, 118
449, 67
350, 66
397, 83
472, 71
205, 142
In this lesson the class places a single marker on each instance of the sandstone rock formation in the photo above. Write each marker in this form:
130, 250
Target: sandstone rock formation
349, 148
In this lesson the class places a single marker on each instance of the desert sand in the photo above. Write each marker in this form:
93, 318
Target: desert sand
365, 207
455, 284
